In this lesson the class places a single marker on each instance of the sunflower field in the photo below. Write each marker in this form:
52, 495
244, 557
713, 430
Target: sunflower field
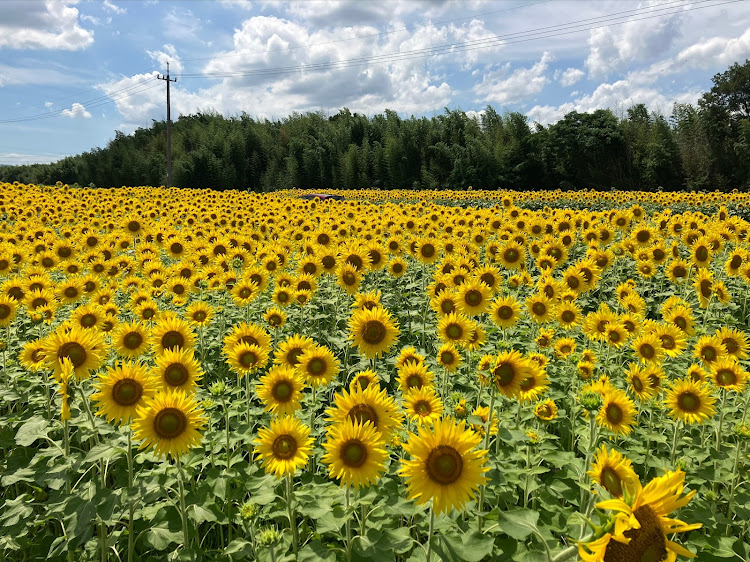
422, 376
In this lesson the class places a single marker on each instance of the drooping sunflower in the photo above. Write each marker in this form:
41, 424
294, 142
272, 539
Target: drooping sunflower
690, 401
355, 453
546, 410
177, 369
284, 446
414, 375
85, 348
640, 526
122, 389
617, 412
373, 331
613, 472
318, 365
171, 331
505, 312
509, 371
280, 390
423, 405
170, 423
130, 340
371, 404
446, 465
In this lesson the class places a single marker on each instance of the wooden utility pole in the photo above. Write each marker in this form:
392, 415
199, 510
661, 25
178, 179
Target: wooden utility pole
169, 128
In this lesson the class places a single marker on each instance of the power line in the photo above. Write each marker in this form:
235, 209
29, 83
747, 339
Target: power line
517, 37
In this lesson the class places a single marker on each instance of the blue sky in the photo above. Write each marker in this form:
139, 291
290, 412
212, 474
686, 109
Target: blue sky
72, 73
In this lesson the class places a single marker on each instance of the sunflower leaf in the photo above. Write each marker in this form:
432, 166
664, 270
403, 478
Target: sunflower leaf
519, 523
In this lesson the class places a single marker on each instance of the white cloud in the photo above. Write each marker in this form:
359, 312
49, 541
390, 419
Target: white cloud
50, 25
168, 55
182, 24
613, 48
571, 76
48, 104
716, 50
77, 110
523, 83
114, 8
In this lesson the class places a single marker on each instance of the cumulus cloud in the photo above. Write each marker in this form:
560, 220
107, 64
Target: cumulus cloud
571, 76
77, 110
35, 25
113, 8
523, 83
168, 55
716, 50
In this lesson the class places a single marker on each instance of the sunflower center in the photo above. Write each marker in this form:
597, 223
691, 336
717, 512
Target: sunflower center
199, 316
148, 313
637, 384
172, 339
701, 253
70, 292
647, 351
444, 465
511, 255
132, 340
709, 353
73, 351
689, 402
573, 282
354, 453
428, 250
176, 248
176, 374
373, 332
349, 278
248, 358
679, 271
614, 336
528, 384
504, 374
447, 358
282, 296
134, 226
4, 311
454, 332
284, 447
680, 322
447, 306
363, 413
414, 381
282, 391
612, 481
473, 298
735, 262
292, 356
643, 236
614, 414
422, 408
170, 423
539, 309
731, 345
88, 320
568, 316
667, 341
505, 312
317, 367
127, 392
705, 286
725, 377
647, 544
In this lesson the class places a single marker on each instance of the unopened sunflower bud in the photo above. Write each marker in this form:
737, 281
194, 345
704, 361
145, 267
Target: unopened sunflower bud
591, 401
218, 388
742, 430
711, 496
269, 537
236, 263
248, 511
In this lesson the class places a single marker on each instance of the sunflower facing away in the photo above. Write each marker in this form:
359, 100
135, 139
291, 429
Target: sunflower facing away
355, 453
122, 389
446, 465
169, 423
284, 446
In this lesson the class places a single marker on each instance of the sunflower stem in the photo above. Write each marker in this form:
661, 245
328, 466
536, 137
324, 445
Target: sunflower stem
429, 533
183, 510
674, 442
229, 465
487, 427
292, 514
733, 486
721, 419
348, 524
131, 505
66, 444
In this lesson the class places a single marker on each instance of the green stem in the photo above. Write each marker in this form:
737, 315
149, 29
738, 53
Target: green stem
66, 441
429, 533
130, 492
674, 442
734, 483
183, 510
721, 420
348, 525
229, 464
291, 512
487, 427
312, 427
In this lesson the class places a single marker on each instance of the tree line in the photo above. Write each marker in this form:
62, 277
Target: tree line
696, 147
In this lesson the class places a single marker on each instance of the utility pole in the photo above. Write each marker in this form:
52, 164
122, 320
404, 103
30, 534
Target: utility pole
169, 128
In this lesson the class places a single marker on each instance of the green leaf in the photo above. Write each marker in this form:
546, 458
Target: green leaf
200, 514
35, 428
519, 524
315, 551
239, 549
102, 451
160, 538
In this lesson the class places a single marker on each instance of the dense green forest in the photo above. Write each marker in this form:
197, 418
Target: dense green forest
703, 147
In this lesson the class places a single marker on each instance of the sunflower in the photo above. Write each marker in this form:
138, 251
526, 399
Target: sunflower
32, 356
546, 410
682, 317
373, 331
63, 390
735, 342
427, 250
70, 290
423, 405
177, 369
567, 314
284, 446
535, 385
122, 389
728, 374
453, 327
446, 302
170, 423
367, 300
709, 349
511, 255
505, 312
677, 270
613, 472
85, 349
397, 267
617, 412
446, 465
639, 382
673, 340
8, 310
348, 277
449, 357
355, 453
280, 390
283, 295
248, 333
640, 527
540, 308
703, 285
245, 358
483, 413
696, 373
509, 371
473, 297
198, 313
564, 347
414, 375
408, 354
318, 365
291, 349
171, 331
647, 348
130, 340
544, 338
689, 401
369, 405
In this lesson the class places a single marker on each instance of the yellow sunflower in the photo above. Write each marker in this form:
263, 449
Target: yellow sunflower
446, 465
122, 389
355, 453
449, 357
318, 365
613, 472
291, 349
365, 378
509, 371
546, 410
473, 297
735, 342
505, 312
284, 446
170, 423
689, 401
199, 313
371, 404
32, 356
423, 405
374, 332
728, 374
8, 310
85, 349
617, 412
130, 340
245, 358
170, 332
414, 375
453, 327
280, 390
177, 369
